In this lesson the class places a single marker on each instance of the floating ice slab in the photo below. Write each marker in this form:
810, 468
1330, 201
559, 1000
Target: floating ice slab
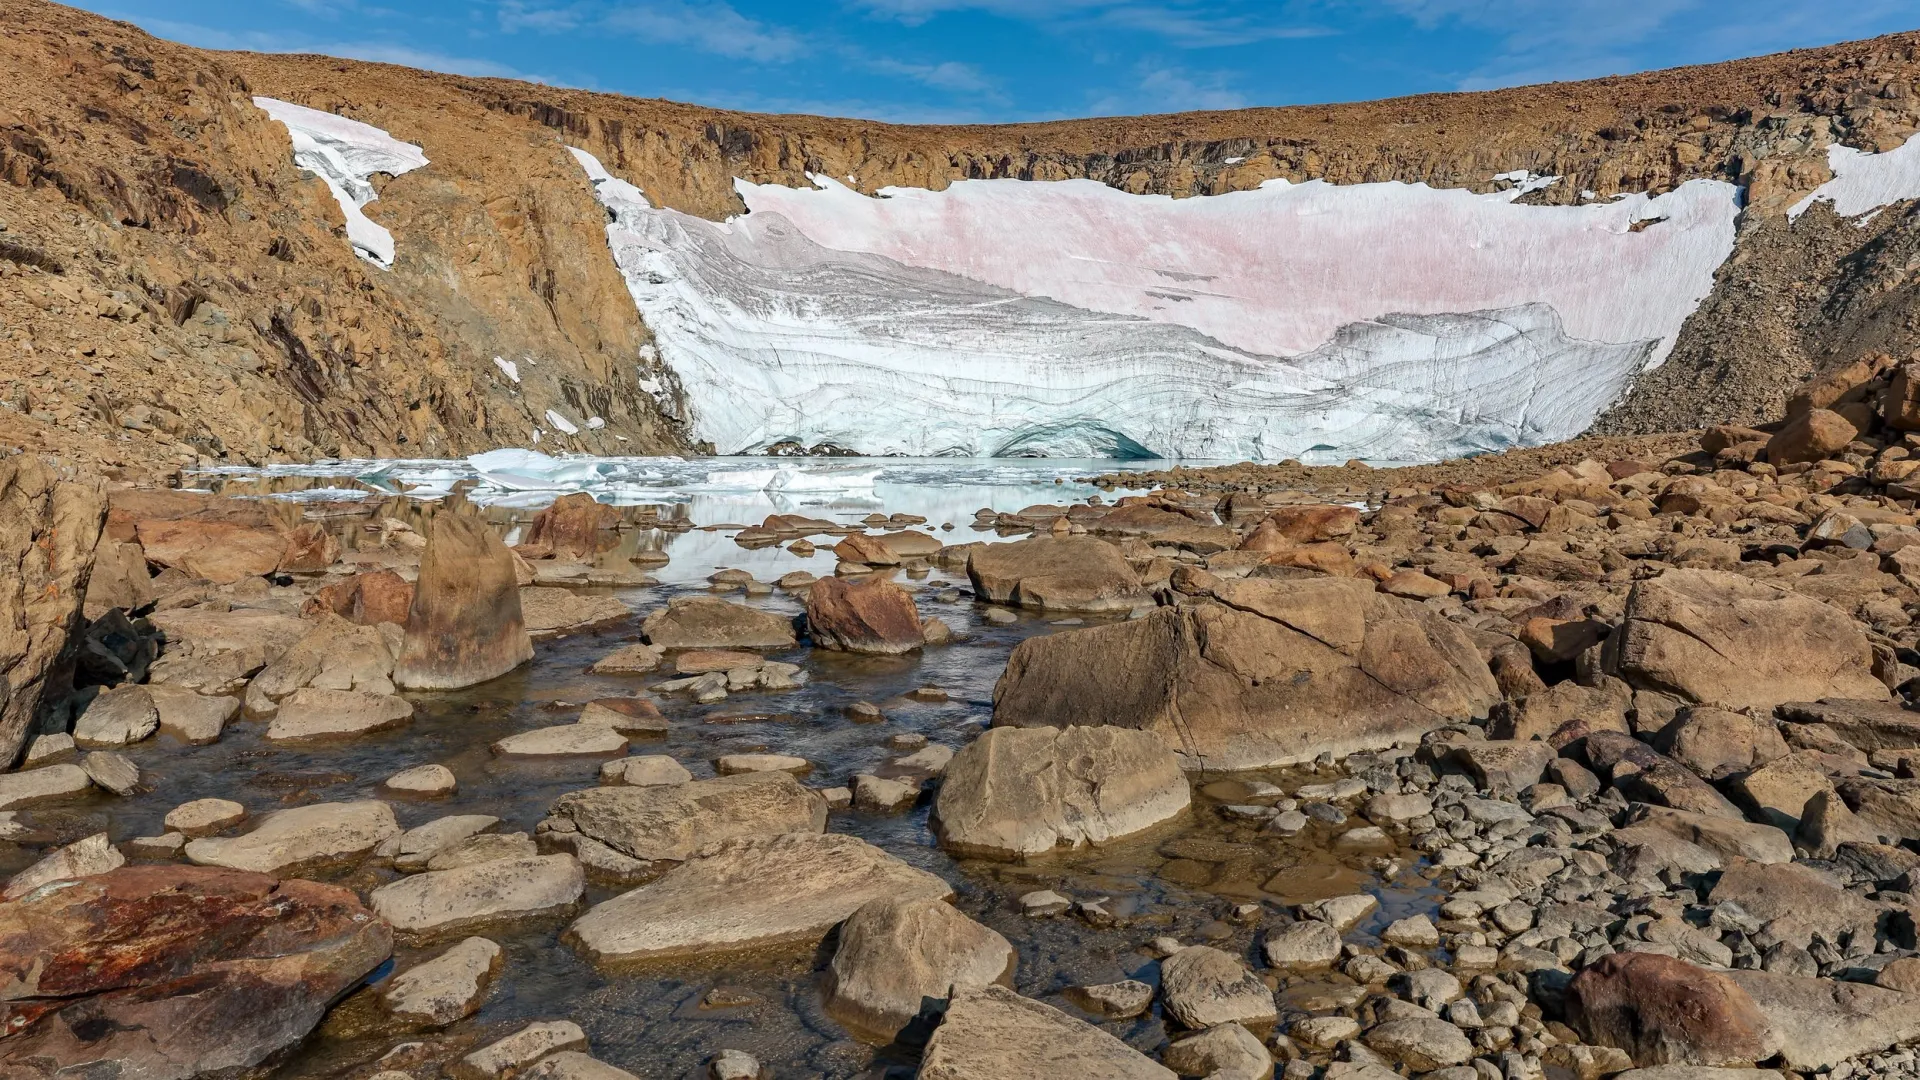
1864, 182
1015, 318
345, 154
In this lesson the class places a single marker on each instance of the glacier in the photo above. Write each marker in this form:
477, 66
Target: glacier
1069, 319
1863, 183
345, 154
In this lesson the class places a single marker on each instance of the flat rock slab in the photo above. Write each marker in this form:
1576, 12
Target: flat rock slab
1203, 986
300, 838
698, 622
47, 784
563, 740
1072, 573
233, 969
673, 821
553, 612
448, 987
1015, 792
1818, 1023
313, 713
750, 893
449, 901
995, 1034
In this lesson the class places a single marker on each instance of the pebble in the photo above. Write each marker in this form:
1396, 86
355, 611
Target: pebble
1044, 902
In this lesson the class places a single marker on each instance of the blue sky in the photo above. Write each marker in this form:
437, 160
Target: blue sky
963, 61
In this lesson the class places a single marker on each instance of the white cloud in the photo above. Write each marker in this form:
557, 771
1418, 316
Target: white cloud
1180, 23
710, 27
1169, 90
947, 75
383, 52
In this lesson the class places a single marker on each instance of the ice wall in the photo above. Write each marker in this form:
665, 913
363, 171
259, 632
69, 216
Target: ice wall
1003, 317
345, 153
1864, 182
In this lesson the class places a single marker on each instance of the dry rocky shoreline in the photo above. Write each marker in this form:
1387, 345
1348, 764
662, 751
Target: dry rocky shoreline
1623, 740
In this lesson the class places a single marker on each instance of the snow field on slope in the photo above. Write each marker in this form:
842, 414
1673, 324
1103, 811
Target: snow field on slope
345, 154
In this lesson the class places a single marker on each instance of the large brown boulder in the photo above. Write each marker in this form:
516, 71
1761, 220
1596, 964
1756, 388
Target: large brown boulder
1304, 524
871, 616
172, 972
1663, 1011
49, 529
1718, 638
310, 548
1266, 672
1814, 434
219, 551
464, 626
369, 598
898, 956
573, 527
1067, 573
995, 1034
704, 622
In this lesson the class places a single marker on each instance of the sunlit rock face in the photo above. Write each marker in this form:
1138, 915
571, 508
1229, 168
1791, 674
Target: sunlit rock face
1007, 317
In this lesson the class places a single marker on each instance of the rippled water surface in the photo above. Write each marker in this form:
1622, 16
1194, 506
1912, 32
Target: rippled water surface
1182, 879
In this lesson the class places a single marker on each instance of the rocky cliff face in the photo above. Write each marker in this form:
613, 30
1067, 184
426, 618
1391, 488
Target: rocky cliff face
173, 288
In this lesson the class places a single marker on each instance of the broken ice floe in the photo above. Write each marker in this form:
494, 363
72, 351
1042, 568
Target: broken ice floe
1017, 318
1864, 182
345, 154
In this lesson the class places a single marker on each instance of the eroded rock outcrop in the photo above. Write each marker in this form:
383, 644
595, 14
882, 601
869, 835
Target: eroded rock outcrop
49, 528
1265, 672
464, 625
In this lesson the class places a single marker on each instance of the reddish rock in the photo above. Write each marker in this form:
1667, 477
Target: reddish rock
310, 549
366, 599
216, 550
1556, 641
1665, 1011
1814, 434
1072, 573
866, 550
863, 616
574, 527
175, 971
1311, 523
464, 626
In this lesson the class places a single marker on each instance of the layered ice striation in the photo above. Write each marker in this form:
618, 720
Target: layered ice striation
1007, 317
1863, 182
345, 154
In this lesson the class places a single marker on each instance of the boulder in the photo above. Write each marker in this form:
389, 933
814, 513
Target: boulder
557, 612
1222, 1052
635, 659
195, 719
1866, 725
749, 893
1302, 945
424, 781
645, 770
1810, 436
1719, 638
334, 655
1017, 792
995, 1034
504, 1059
571, 527
1505, 766
897, 956
1201, 986
309, 549
1666, 1011
118, 717
1779, 791
464, 626
1726, 837
120, 579
1889, 807
672, 821
301, 838
704, 622
1420, 1044
1268, 672
177, 971
1719, 742
47, 784
449, 987
312, 714
563, 740
365, 599
457, 900
866, 616
1312, 523
204, 817
1796, 901
220, 551
1068, 573
82, 858
1818, 1023
1112, 1001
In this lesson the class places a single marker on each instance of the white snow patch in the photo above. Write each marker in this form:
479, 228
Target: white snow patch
595, 423
1524, 181
1863, 181
508, 368
562, 423
1007, 317
1235, 160
345, 153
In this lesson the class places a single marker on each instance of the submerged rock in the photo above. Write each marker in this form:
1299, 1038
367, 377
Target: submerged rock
300, 838
672, 821
465, 625
450, 901
446, 988
700, 622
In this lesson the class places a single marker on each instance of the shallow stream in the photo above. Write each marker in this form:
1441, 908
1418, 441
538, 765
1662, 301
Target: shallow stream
1182, 879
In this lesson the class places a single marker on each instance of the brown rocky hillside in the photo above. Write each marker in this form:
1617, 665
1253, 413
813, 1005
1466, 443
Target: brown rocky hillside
172, 289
